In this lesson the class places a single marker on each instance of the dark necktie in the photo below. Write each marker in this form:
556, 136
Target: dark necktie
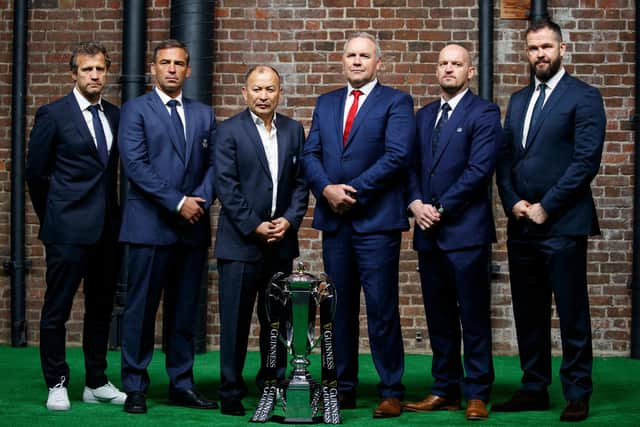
444, 117
176, 122
98, 130
537, 108
351, 116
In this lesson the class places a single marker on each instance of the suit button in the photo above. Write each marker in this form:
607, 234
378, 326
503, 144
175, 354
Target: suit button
432, 174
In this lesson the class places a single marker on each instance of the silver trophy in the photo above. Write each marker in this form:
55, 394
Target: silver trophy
292, 301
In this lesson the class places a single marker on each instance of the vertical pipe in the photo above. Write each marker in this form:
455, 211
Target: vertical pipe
635, 278
132, 82
192, 23
538, 10
486, 50
485, 83
17, 265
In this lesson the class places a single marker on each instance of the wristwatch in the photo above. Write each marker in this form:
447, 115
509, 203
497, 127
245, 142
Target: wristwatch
439, 208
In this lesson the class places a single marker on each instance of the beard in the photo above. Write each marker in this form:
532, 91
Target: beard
452, 89
544, 74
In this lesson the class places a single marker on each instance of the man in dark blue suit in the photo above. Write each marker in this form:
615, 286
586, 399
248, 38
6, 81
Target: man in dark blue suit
554, 134
72, 170
264, 198
458, 139
355, 161
167, 155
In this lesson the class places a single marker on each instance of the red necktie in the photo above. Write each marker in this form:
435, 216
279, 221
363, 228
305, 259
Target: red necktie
351, 116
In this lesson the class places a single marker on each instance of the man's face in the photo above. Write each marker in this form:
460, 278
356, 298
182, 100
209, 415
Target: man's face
454, 70
170, 70
91, 76
544, 52
360, 61
262, 93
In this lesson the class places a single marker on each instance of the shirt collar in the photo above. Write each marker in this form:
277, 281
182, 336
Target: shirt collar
258, 121
453, 102
366, 89
553, 81
83, 103
166, 98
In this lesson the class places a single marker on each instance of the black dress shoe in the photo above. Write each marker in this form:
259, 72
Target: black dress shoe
524, 401
191, 399
347, 400
576, 410
232, 406
135, 403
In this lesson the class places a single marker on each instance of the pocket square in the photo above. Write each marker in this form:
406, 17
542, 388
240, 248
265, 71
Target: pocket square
459, 130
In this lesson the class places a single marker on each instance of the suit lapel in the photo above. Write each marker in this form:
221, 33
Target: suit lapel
427, 133
339, 118
556, 95
155, 103
189, 118
520, 114
114, 132
368, 104
249, 127
283, 146
81, 125
449, 128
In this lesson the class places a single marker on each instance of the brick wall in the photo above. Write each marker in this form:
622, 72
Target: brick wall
303, 39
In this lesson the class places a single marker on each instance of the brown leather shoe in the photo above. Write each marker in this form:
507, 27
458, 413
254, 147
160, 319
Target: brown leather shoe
388, 407
433, 403
576, 410
476, 410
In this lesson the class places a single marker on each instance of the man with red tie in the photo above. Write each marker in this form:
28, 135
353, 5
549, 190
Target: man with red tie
354, 159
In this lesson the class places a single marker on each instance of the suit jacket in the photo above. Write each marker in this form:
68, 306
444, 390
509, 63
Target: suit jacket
161, 171
73, 192
458, 175
374, 160
560, 160
245, 187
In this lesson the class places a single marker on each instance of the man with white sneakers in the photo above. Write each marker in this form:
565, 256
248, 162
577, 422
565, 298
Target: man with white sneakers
72, 169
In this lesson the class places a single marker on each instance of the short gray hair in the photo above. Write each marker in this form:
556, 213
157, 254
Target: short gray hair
364, 35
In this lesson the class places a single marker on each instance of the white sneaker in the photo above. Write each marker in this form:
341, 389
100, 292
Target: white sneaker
107, 393
58, 399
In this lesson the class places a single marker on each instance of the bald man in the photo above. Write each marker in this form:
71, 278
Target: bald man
457, 142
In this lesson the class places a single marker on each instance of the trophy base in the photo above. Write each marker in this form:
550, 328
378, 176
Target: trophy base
290, 420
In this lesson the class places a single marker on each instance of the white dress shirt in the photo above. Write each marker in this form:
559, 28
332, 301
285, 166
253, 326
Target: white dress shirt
179, 107
270, 144
366, 90
453, 103
88, 118
551, 85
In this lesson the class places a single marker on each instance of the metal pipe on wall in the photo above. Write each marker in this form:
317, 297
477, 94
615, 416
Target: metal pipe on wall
485, 77
485, 69
538, 10
17, 266
192, 23
132, 82
635, 261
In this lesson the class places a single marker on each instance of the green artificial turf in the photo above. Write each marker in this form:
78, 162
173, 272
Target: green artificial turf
615, 402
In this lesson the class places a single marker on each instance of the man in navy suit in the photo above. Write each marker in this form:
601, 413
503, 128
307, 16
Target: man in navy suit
264, 198
458, 138
167, 155
355, 160
71, 171
554, 133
